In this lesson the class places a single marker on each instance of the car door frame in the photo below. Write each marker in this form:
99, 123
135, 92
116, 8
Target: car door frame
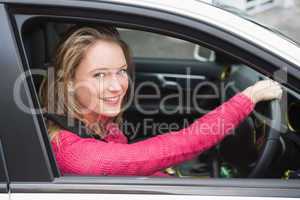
42, 175
4, 177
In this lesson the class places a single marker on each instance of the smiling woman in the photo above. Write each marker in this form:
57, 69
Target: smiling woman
101, 80
91, 83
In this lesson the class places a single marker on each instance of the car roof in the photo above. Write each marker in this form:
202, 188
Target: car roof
207, 13
228, 21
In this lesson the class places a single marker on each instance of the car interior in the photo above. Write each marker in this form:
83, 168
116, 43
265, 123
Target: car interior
189, 87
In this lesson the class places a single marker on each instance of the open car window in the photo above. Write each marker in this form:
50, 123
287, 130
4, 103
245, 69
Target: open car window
170, 67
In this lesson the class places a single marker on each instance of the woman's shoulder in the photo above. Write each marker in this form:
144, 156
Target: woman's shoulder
61, 136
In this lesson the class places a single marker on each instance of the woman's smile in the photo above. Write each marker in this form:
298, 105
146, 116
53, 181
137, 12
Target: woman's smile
113, 101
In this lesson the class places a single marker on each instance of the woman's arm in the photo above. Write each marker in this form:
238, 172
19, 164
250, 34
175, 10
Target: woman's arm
77, 155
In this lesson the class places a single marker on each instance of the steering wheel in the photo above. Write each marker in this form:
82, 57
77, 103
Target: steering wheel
271, 143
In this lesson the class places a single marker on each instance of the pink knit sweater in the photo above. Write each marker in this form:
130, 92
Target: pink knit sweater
114, 156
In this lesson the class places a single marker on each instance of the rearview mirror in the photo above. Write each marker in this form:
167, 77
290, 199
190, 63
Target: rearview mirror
204, 54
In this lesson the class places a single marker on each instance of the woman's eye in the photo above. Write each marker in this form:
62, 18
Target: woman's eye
99, 75
123, 71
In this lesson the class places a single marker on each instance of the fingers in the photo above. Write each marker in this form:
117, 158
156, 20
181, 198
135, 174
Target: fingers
267, 90
264, 90
277, 90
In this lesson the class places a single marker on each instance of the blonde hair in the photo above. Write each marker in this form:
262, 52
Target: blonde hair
69, 54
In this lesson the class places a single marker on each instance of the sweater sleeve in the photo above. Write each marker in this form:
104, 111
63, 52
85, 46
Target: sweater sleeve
87, 156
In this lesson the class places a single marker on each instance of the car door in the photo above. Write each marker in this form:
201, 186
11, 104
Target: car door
4, 178
32, 168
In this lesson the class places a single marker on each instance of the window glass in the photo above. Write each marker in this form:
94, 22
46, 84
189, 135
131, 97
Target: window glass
161, 46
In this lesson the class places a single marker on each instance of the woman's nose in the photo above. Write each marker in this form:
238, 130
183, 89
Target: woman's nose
114, 85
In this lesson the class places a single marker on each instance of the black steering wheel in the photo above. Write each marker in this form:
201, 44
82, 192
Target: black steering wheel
271, 144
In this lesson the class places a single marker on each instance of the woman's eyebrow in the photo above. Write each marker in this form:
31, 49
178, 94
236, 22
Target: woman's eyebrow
107, 68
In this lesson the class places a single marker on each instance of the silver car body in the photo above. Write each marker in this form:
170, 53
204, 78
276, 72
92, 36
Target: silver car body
229, 22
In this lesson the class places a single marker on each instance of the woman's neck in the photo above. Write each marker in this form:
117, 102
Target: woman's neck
93, 117
96, 123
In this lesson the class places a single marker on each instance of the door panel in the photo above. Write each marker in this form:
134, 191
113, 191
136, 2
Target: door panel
154, 188
68, 196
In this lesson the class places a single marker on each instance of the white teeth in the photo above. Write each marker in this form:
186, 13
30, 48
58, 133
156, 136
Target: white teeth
112, 99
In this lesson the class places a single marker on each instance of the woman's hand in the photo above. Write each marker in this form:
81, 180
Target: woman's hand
263, 91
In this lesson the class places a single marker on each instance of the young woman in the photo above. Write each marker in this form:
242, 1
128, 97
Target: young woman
92, 81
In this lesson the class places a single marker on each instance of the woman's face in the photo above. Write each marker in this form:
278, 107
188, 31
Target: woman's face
101, 79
